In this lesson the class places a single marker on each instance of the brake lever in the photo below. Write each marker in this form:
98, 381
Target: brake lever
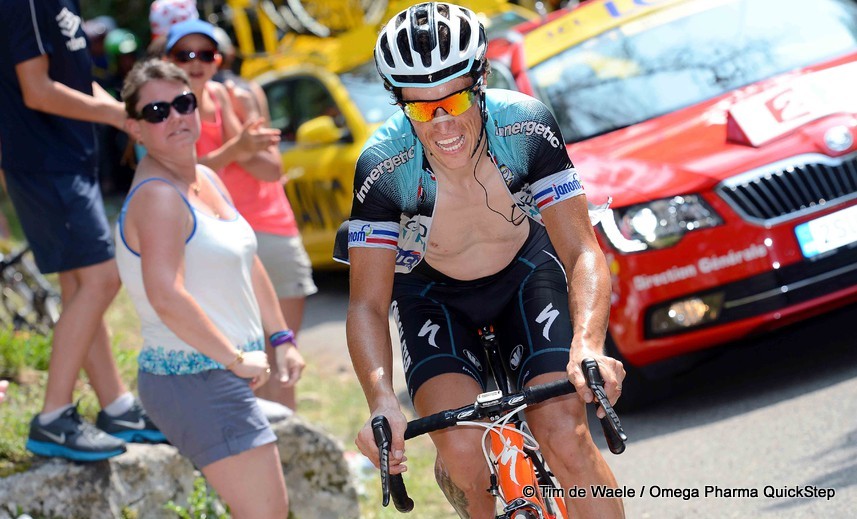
390, 485
613, 432
382, 433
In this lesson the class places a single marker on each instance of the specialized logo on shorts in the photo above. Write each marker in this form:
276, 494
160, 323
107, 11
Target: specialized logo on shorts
406, 355
548, 316
372, 235
387, 165
430, 329
69, 23
557, 192
472, 358
515, 358
530, 128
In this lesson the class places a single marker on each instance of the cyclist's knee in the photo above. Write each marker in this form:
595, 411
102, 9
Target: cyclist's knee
464, 463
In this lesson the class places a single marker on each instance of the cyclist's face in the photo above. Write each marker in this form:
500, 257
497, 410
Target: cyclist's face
177, 133
198, 57
449, 139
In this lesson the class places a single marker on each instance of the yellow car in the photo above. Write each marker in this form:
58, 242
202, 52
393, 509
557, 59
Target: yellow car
327, 98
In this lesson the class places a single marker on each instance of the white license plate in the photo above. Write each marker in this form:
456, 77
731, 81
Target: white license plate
828, 232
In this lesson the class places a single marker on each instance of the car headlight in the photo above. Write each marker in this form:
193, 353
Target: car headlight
657, 224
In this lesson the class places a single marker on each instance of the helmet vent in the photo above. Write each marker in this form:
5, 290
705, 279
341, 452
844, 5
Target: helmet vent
404, 48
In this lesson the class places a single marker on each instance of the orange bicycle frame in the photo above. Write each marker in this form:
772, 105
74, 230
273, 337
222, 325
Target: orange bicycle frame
517, 477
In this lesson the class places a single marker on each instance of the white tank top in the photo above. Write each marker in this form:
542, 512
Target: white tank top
218, 264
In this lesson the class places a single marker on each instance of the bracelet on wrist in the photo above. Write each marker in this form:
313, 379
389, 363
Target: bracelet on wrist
282, 337
239, 359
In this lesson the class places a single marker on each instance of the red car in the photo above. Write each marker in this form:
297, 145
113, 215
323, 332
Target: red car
724, 131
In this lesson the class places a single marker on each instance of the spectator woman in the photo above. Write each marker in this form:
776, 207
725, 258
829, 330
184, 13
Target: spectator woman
188, 260
237, 142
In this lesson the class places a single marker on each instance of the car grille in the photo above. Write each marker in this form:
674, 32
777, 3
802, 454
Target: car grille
791, 188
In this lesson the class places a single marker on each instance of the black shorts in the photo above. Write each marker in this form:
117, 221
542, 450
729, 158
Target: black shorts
62, 216
438, 318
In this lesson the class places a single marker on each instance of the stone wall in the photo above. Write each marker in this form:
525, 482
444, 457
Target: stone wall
139, 482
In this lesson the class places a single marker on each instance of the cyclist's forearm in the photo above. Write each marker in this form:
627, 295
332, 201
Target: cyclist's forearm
589, 299
371, 353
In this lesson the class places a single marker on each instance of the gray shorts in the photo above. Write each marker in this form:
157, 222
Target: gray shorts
287, 263
207, 416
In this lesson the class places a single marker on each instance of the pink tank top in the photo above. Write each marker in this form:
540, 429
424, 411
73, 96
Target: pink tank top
263, 204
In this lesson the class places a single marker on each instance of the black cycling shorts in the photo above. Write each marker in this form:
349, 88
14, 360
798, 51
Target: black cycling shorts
438, 318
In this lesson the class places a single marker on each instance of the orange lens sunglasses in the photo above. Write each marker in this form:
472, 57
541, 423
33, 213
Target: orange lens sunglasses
455, 103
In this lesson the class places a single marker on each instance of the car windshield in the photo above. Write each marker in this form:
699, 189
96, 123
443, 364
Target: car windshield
686, 54
367, 91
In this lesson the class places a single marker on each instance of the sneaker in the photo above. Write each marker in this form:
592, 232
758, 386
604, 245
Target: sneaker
70, 437
132, 426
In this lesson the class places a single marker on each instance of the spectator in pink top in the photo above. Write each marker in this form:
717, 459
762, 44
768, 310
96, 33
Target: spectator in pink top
243, 151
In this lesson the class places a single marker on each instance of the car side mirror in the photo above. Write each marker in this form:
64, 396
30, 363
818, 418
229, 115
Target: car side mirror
318, 131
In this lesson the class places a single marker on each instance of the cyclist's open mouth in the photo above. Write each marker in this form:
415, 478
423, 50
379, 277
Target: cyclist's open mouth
451, 145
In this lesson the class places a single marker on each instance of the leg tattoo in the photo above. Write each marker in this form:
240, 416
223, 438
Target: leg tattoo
453, 494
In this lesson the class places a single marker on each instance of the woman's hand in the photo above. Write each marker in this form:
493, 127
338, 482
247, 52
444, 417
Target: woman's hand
254, 137
290, 364
254, 366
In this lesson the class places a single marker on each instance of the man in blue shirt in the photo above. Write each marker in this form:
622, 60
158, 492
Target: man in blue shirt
48, 104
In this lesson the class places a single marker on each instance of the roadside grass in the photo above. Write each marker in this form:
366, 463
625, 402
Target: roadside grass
330, 399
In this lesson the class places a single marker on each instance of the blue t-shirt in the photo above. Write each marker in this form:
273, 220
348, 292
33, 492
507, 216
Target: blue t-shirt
395, 188
35, 141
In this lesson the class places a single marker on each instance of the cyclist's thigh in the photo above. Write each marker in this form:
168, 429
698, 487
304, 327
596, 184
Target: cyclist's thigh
535, 328
436, 340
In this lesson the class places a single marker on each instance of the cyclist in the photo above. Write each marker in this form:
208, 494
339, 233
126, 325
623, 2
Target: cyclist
468, 211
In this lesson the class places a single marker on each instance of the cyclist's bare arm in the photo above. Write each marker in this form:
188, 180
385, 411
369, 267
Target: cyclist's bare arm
588, 277
369, 344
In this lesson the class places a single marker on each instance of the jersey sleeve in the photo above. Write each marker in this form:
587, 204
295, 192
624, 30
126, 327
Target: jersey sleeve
535, 148
552, 175
376, 209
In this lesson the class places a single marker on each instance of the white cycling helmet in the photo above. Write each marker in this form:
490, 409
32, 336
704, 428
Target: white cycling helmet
429, 44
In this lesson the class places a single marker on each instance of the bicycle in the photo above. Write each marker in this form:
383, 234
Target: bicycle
29, 301
520, 479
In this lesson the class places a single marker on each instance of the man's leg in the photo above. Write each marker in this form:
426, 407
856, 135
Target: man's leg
562, 431
80, 336
460, 469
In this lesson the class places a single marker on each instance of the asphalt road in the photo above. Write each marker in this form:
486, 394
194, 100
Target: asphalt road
774, 417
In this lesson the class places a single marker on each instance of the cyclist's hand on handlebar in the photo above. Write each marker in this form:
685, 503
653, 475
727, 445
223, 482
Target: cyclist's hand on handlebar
611, 370
366, 439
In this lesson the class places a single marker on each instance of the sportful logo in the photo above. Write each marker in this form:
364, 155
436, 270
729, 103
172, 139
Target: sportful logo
557, 192
69, 23
515, 359
530, 128
385, 166
549, 314
430, 329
